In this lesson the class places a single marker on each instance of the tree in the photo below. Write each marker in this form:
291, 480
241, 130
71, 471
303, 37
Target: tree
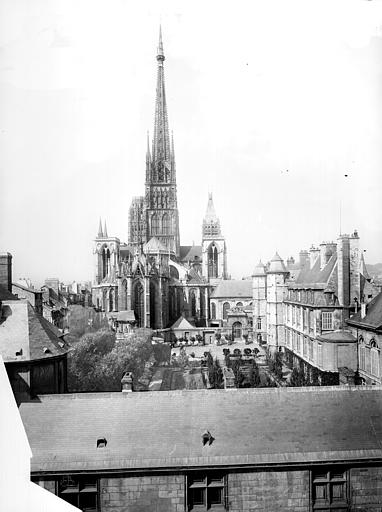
97, 363
215, 375
239, 378
254, 375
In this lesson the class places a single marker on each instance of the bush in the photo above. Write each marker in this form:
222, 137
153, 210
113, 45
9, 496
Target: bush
97, 363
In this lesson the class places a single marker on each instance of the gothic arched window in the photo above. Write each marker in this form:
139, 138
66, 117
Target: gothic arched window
212, 261
124, 295
111, 300
225, 310
193, 302
213, 311
139, 308
154, 224
166, 224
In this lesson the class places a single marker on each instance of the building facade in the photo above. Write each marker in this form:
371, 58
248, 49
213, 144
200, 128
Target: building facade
366, 327
307, 306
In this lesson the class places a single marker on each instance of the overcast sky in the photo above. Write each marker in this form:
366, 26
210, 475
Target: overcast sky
271, 104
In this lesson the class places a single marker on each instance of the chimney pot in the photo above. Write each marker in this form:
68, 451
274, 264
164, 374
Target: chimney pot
127, 382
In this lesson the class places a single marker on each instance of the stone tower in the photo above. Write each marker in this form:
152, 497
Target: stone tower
156, 214
276, 290
106, 251
259, 283
214, 251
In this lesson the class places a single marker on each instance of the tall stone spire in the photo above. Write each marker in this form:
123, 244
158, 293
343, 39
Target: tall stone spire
211, 222
160, 217
161, 143
105, 231
100, 232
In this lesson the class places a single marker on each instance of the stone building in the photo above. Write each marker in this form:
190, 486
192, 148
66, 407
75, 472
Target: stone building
153, 275
210, 449
307, 305
34, 350
366, 327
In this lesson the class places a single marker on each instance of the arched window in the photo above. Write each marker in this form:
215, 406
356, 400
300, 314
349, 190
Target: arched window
124, 295
154, 224
139, 308
212, 261
213, 311
153, 305
239, 304
236, 330
374, 358
362, 354
165, 224
174, 272
105, 261
193, 302
111, 300
225, 310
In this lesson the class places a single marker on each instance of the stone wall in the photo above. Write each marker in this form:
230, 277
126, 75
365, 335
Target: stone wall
161, 493
366, 489
271, 490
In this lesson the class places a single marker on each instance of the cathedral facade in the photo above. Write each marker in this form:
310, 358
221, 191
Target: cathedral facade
152, 275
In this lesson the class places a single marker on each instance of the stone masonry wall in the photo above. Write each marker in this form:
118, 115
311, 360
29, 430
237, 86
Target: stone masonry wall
164, 493
366, 489
285, 491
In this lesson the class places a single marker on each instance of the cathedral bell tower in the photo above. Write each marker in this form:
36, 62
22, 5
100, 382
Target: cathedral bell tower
161, 217
214, 250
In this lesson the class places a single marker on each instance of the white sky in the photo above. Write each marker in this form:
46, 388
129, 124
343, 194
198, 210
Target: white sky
253, 89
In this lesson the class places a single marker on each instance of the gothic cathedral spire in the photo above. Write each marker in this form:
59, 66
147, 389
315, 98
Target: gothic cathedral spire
160, 204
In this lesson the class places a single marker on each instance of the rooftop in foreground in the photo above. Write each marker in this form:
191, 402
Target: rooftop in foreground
164, 429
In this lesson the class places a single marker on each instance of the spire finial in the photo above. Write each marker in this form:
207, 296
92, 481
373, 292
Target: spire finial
100, 232
160, 54
105, 231
148, 155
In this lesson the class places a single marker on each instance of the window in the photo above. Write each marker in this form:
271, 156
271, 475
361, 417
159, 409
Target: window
225, 310
306, 319
80, 491
213, 310
206, 491
329, 492
293, 315
259, 324
310, 349
327, 320
298, 343
305, 347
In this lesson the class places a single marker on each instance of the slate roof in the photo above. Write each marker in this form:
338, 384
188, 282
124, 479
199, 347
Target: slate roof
188, 252
315, 276
195, 278
276, 265
373, 318
25, 329
233, 288
339, 336
154, 245
250, 427
182, 323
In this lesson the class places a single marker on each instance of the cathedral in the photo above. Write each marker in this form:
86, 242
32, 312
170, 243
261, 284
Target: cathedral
153, 278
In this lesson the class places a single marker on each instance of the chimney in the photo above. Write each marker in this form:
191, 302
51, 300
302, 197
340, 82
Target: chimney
6, 270
343, 268
326, 251
290, 261
355, 263
304, 259
313, 255
127, 382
